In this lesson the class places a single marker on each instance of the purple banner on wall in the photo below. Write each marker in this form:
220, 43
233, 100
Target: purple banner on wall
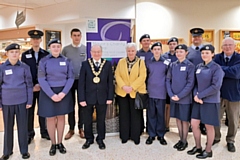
110, 30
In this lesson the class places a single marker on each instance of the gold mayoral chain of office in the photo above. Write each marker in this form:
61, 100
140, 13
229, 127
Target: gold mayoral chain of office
96, 79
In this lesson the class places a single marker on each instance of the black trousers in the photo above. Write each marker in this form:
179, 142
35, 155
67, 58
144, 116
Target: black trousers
71, 116
88, 116
129, 119
42, 120
9, 112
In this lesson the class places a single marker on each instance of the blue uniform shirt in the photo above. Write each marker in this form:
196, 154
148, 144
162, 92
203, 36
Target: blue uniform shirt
180, 81
230, 89
209, 81
157, 71
194, 55
16, 84
145, 55
55, 72
170, 57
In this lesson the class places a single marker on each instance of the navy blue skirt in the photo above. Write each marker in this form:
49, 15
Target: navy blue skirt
48, 108
180, 111
207, 113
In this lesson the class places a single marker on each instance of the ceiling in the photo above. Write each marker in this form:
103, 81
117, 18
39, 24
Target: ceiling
29, 4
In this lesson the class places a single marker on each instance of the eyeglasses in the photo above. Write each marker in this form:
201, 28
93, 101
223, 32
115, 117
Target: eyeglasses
228, 45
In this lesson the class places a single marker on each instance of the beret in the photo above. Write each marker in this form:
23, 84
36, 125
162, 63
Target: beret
156, 44
144, 36
208, 47
12, 46
54, 41
182, 46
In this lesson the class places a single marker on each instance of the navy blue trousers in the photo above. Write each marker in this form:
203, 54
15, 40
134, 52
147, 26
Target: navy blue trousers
156, 117
9, 112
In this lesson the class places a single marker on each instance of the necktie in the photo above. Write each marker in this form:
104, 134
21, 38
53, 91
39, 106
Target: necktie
97, 64
226, 60
36, 56
197, 48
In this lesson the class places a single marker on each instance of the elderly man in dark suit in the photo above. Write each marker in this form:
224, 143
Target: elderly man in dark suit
95, 89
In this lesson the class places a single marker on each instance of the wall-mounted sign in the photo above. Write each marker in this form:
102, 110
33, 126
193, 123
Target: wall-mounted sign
50, 35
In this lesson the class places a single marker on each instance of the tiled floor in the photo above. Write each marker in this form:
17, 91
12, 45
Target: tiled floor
115, 150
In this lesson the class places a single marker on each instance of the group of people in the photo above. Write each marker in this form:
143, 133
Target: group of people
198, 84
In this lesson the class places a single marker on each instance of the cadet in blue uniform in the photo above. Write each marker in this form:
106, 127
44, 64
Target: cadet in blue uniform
56, 77
171, 56
209, 77
180, 82
32, 57
229, 60
15, 98
194, 56
145, 54
156, 87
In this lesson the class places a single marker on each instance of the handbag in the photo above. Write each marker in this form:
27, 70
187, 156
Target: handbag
141, 99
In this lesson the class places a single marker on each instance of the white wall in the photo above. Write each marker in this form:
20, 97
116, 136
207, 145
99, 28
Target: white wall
159, 18
65, 16
166, 18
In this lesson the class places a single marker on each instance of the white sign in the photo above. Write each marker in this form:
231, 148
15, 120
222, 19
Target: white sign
92, 25
112, 49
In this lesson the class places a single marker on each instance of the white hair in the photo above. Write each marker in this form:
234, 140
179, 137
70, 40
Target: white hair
129, 45
228, 38
95, 45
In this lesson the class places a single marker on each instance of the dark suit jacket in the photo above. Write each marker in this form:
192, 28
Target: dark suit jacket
95, 93
32, 63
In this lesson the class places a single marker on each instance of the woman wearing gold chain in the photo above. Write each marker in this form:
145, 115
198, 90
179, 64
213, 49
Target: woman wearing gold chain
130, 77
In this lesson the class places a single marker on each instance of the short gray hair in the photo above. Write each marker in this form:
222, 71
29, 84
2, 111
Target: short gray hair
129, 45
95, 45
228, 38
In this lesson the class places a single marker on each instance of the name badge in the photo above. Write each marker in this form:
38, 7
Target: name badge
183, 68
142, 57
62, 63
166, 62
198, 71
169, 60
8, 72
28, 56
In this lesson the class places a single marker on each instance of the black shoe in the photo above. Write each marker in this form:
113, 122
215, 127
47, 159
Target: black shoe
87, 144
25, 156
162, 141
101, 144
204, 155
167, 129
30, 139
231, 147
190, 129
137, 142
124, 141
45, 136
61, 148
52, 150
194, 151
5, 157
176, 146
150, 140
216, 141
182, 146
203, 131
